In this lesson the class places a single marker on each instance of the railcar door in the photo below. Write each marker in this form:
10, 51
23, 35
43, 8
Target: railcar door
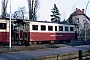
26, 34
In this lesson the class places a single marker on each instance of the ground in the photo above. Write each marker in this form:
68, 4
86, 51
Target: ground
6, 49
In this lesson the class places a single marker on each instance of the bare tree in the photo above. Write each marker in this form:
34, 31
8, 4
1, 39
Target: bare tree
33, 7
4, 8
20, 13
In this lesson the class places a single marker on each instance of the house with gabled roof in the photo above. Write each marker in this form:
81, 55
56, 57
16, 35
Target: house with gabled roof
78, 17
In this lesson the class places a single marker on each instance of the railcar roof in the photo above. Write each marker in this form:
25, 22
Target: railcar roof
20, 20
49, 22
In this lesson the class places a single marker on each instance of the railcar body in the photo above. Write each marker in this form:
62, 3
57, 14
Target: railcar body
47, 31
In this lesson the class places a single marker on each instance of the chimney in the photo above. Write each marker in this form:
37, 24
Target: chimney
83, 10
76, 9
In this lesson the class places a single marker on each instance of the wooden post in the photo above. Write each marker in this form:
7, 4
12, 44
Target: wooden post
80, 55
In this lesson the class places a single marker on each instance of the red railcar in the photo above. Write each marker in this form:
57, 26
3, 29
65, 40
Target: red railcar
47, 31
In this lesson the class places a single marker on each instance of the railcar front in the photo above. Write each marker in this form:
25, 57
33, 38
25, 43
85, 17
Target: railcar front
4, 31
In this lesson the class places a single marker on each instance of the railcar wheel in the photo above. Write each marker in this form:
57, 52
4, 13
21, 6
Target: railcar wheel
57, 41
61, 42
68, 41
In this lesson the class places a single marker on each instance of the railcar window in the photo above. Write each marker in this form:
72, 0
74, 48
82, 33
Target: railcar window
43, 27
71, 28
50, 28
55, 28
66, 28
2, 25
34, 27
60, 28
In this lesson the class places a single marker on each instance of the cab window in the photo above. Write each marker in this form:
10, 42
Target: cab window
2, 25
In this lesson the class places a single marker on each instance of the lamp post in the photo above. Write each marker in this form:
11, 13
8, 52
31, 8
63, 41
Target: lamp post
85, 19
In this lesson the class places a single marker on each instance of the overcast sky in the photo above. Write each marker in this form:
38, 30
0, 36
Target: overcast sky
66, 7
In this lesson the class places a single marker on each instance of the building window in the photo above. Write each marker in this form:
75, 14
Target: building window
50, 28
43, 27
71, 28
34, 27
2, 25
77, 27
55, 28
66, 28
60, 28
77, 20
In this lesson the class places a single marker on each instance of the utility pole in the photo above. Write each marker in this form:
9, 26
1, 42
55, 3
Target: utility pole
10, 27
85, 19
